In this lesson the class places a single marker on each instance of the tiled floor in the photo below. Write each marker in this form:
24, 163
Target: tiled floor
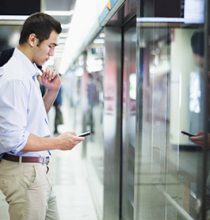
71, 187
69, 176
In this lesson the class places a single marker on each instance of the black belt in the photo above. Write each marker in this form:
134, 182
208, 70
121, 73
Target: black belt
23, 159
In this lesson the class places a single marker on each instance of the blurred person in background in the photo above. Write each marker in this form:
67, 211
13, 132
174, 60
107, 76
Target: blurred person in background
197, 44
92, 99
58, 120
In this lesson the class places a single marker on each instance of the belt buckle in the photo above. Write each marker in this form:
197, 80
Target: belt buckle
45, 160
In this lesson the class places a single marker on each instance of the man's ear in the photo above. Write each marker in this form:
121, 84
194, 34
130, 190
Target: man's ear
32, 40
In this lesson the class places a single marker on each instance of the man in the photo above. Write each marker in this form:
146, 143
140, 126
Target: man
25, 141
197, 44
58, 120
196, 84
92, 98
198, 88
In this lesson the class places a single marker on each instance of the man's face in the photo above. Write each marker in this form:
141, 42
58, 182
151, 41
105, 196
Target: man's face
45, 49
199, 60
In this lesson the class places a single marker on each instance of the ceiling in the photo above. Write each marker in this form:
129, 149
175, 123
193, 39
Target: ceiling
78, 18
63, 11
80, 23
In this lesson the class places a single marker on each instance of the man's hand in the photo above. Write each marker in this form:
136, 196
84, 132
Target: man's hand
65, 141
50, 79
52, 82
69, 140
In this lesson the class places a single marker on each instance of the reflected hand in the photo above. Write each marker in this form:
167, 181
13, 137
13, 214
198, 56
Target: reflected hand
199, 138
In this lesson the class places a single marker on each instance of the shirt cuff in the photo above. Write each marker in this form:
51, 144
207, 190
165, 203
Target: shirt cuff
22, 145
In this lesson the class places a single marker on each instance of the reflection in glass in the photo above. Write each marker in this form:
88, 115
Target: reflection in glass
129, 122
169, 179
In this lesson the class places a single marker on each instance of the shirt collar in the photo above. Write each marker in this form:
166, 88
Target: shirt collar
32, 68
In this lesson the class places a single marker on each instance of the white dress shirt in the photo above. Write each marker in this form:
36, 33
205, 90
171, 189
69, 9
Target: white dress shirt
22, 110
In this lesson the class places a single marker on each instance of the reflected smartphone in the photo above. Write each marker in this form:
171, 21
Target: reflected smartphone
187, 133
85, 134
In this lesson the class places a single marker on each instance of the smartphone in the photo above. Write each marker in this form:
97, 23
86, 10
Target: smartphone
187, 133
85, 134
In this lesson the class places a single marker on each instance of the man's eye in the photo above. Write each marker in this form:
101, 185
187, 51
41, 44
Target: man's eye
51, 46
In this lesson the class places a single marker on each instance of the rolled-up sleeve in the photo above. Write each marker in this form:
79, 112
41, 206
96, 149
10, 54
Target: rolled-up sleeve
13, 116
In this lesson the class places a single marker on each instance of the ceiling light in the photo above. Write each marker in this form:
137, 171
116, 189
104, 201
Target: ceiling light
61, 41
63, 35
65, 26
84, 23
102, 35
13, 17
60, 13
98, 41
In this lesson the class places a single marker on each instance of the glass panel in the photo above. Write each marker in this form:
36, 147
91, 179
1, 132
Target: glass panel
173, 93
93, 120
129, 121
169, 178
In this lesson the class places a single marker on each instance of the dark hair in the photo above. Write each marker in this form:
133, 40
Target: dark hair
197, 43
40, 24
5, 55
